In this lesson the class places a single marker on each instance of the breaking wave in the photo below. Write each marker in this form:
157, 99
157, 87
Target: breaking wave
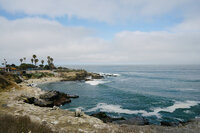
96, 82
118, 109
109, 74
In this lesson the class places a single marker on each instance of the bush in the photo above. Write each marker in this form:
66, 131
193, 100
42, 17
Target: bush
46, 67
11, 77
19, 124
37, 75
4, 83
24, 66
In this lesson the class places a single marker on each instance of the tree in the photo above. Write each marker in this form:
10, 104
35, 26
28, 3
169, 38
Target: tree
50, 62
36, 61
34, 56
32, 60
24, 59
51, 59
42, 61
21, 60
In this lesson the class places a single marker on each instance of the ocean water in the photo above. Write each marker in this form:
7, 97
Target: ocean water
156, 92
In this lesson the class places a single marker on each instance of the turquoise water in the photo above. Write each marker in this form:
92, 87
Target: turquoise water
170, 93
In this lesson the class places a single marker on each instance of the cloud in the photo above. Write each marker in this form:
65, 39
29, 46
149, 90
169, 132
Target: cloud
159, 47
24, 37
110, 11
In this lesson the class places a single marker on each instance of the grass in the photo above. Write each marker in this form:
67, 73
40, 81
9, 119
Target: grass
19, 124
11, 77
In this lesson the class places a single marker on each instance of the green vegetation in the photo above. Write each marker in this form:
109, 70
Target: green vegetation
24, 66
37, 75
21, 124
7, 80
10, 77
4, 83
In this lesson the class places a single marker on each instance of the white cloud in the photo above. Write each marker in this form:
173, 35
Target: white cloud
24, 37
101, 10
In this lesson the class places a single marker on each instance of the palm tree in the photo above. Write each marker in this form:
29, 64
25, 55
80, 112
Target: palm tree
24, 59
32, 60
21, 60
34, 56
42, 61
48, 60
51, 59
36, 60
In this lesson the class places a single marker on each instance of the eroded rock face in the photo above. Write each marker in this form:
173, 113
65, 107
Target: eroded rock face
105, 118
50, 99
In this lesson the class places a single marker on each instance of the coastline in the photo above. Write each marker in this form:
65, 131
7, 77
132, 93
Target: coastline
65, 121
57, 119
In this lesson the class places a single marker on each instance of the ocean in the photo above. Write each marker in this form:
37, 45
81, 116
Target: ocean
156, 92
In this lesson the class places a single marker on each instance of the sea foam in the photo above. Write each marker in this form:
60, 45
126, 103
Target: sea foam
109, 74
118, 109
96, 82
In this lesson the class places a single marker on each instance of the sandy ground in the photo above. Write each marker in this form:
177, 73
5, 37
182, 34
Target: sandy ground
65, 121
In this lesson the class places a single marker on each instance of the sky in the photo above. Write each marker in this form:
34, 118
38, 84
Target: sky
101, 31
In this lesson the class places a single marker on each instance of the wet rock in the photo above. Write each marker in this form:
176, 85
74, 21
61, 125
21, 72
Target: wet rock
166, 123
133, 121
105, 118
72, 96
96, 76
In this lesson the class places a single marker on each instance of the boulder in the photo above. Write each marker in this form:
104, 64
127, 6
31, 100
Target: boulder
50, 99
72, 96
50, 95
43, 103
133, 121
166, 123
78, 113
105, 118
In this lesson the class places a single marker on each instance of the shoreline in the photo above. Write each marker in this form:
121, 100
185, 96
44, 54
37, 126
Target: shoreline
54, 118
60, 120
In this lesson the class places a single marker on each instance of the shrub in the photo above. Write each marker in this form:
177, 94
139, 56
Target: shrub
24, 66
4, 83
19, 124
11, 77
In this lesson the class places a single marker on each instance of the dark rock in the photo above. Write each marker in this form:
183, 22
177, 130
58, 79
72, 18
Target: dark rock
50, 95
96, 76
43, 103
134, 121
4, 105
72, 96
166, 123
29, 100
50, 99
105, 118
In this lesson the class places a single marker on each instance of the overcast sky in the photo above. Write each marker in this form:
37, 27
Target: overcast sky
101, 31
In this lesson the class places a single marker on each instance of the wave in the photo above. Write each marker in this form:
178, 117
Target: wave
183, 89
109, 74
96, 82
113, 108
118, 109
171, 109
